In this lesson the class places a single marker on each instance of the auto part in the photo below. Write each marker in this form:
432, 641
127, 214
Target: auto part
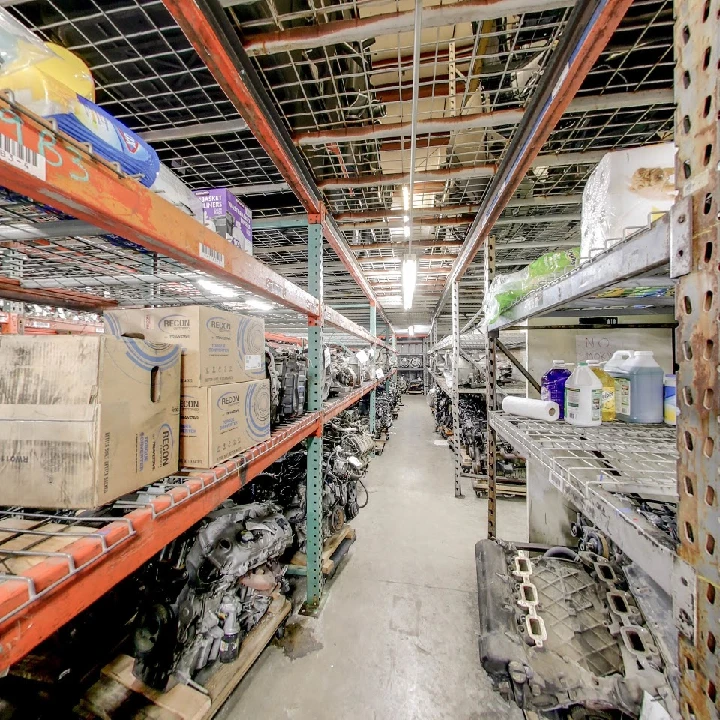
560, 632
214, 585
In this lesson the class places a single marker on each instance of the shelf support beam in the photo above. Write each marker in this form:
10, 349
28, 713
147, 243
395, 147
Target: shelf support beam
454, 389
313, 497
373, 396
490, 399
694, 257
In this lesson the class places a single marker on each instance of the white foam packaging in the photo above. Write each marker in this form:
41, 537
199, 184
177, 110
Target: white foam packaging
626, 191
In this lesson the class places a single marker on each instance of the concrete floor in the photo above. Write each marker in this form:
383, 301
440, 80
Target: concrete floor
397, 636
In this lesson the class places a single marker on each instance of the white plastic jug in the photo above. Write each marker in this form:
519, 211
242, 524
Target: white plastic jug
615, 363
639, 389
583, 397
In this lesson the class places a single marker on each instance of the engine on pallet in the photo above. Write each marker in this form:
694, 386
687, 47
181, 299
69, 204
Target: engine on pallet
287, 372
561, 634
212, 586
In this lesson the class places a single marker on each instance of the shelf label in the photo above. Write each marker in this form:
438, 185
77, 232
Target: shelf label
22, 157
213, 256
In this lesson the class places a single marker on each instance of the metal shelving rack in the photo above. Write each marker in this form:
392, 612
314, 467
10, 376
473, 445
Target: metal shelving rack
411, 349
595, 468
52, 170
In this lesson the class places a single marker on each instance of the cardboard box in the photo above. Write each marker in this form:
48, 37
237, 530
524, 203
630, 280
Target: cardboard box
85, 419
218, 347
627, 190
219, 422
227, 216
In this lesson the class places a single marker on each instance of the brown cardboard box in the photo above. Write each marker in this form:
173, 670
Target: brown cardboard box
222, 421
218, 347
84, 420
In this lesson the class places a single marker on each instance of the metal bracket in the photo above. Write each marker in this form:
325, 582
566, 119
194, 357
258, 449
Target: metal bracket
681, 237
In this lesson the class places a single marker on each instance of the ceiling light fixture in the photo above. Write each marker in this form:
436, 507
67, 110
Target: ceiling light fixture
406, 198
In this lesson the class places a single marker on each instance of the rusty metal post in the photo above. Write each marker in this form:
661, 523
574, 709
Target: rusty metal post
454, 392
695, 254
490, 400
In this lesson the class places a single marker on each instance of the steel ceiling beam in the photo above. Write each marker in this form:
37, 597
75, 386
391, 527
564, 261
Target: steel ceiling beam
208, 29
359, 29
469, 172
450, 210
479, 121
587, 33
464, 220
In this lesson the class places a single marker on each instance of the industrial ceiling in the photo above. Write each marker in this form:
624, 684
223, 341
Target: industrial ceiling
339, 77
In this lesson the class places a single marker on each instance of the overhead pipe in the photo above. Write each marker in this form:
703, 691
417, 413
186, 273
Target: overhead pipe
450, 210
586, 35
480, 121
359, 29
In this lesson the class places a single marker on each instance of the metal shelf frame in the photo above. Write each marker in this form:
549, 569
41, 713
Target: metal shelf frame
595, 467
37, 602
53, 170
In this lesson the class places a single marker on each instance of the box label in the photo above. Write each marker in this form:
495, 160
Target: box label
253, 362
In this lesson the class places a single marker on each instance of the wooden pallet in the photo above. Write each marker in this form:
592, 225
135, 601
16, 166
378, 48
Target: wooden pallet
513, 489
332, 545
119, 694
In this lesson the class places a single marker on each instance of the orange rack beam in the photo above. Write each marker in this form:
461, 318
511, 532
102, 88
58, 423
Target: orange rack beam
35, 603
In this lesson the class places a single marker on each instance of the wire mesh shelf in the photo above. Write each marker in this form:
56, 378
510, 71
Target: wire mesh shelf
605, 472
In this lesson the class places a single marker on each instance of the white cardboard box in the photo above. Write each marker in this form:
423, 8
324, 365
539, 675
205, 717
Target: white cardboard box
85, 419
218, 347
219, 422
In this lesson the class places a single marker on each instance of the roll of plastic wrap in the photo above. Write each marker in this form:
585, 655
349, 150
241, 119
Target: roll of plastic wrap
536, 409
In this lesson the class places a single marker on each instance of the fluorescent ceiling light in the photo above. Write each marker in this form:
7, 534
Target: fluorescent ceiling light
258, 304
411, 330
406, 198
214, 289
409, 278
406, 231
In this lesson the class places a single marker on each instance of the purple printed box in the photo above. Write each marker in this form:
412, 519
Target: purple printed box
227, 216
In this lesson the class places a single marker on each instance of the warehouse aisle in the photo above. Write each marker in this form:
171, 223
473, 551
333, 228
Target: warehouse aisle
397, 637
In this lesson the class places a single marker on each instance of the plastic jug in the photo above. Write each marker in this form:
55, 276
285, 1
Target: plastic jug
583, 397
552, 385
615, 363
639, 389
607, 411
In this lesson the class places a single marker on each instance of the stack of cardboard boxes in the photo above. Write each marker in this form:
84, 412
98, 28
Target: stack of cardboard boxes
225, 397
85, 419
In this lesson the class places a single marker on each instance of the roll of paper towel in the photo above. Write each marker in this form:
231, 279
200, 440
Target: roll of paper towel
536, 409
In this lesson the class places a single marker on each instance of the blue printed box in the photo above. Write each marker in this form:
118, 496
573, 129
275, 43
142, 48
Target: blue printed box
227, 216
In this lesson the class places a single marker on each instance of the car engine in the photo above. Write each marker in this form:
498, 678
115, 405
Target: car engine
213, 586
287, 372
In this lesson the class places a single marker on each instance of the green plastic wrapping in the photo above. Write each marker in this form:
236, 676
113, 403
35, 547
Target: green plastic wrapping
506, 290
